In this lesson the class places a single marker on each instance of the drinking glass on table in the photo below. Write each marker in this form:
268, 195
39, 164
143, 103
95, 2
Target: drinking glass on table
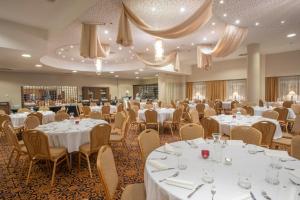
208, 174
181, 162
244, 180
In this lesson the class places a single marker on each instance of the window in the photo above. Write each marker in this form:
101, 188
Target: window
289, 88
199, 90
236, 89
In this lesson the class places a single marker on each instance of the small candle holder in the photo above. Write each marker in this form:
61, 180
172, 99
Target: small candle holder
205, 153
228, 161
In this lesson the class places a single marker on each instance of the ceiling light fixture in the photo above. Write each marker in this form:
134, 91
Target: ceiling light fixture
214, 23
136, 72
71, 46
212, 32
120, 48
182, 9
116, 76
237, 21
25, 55
147, 49
153, 9
83, 61
256, 23
72, 59
98, 66
178, 47
111, 72
221, 2
74, 71
59, 53
38, 65
63, 56
141, 70
225, 15
291, 35
62, 49
109, 39
192, 44
137, 77
106, 32
159, 50
204, 39
282, 22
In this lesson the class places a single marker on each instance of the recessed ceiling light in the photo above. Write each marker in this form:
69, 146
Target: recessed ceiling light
106, 32
137, 77
136, 72
72, 59
71, 46
62, 49
38, 65
59, 53
147, 49
83, 61
225, 15
156, 74
178, 47
141, 70
129, 51
132, 47
111, 72
116, 76
214, 23
212, 32
63, 56
221, 2
74, 71
256, 23
237, 21
182, 9
120, 48
25, 55
291, 35
192, 44
98, 73
153, 9
204, 39
109, 39
282, 22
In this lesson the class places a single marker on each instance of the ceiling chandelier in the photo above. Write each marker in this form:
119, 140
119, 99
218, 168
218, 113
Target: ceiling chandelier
98, 64
159, 50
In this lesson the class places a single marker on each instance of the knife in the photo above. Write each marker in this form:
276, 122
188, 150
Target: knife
195, 190
252, 196
162, 151
160, 170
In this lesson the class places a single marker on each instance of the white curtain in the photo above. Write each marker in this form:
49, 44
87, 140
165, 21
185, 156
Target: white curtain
289, 88
199, 90
171, 87
236, 89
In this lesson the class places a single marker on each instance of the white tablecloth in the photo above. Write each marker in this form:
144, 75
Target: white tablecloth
192, 106
259, 110
113, 108
143, 104
163, 114
19, 118
68, 134
225, 176
227, 122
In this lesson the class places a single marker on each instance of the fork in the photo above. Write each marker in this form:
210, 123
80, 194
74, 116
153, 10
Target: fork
172, 176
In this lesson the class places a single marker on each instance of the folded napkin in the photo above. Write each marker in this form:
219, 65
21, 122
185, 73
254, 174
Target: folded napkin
277, 153
244, 196
157, 165
180, 183
168, 148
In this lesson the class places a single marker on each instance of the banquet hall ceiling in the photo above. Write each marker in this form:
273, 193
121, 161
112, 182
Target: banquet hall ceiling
62, 20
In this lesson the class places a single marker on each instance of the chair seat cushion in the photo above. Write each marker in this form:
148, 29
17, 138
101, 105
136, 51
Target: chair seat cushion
283, 141
85, 148
57, 152
23, 148
134, 192
287, 135
21, 142
115, 137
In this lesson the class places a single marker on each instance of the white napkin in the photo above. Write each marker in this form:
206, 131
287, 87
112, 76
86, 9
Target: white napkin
157, 165
180, 183
244, 196
235, 142
168, 148
277, 153
295, 175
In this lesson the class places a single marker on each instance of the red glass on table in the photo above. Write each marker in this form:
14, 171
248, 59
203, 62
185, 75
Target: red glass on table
205, 153
77, 121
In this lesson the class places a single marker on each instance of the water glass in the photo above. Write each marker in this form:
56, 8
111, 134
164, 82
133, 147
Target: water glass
244, 180
182, 163
208, 175
275, 163
251, 149
272, 176
216, 137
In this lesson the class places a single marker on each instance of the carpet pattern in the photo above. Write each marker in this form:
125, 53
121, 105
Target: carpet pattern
74, 184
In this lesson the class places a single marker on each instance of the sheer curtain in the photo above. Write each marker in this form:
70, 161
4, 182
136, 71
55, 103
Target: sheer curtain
199, 90
236, 89
171, 87
289, 88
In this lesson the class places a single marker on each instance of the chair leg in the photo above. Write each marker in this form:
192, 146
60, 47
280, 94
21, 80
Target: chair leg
29, 170
68, 162
53, 172
89, 165
17, 159
171, 129
79, 161
10, 158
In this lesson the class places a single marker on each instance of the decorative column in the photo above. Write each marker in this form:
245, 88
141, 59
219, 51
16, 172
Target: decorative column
253, 74
263, 77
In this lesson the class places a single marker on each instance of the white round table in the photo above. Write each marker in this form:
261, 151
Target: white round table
192, 106
68, 134
143, 105
226, 177
163, 114
227, 122
259, 110
113, 109
226, 105
18, 119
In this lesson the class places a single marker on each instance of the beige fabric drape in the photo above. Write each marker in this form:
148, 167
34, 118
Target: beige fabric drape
195, 21
271, 89
231, 39
215, 90
189, 90
172, 58
90, 45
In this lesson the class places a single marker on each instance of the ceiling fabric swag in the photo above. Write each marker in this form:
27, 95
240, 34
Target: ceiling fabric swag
172, 58
90, 45
230, 41
195, 21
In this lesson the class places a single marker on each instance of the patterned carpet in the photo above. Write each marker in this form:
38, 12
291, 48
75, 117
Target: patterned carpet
69, 185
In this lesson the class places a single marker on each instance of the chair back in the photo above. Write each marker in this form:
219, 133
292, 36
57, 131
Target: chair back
37, 144
106, 104
287, 104
137, 104
148, 141
195, 116
106, 167
3, 117
283, 113
296, 108
210, 126
38, 115
22, 110
267, 130
296, 126
234, 104
271, 114
260, 103
10, 134
86, 110
242, 110
151, 116
218, 106
200, 108
208, 112
295, 147
159, 104
249, 109
132, 115
31, 122
120, 107
61, 116
191, 131
173, 104
105, 110
248, 134
44, 108
211, 104
2, 112
95, 115
177, 116
119, 120
149, 106
99, 136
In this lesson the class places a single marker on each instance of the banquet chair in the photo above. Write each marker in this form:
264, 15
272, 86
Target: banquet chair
249, 109
271, 114
186, 118
248, 134
208, 112
241, 110
121, 137
119, 120
120, 107
210, 104
99, 136
22, 110
218, 107
267, 130
106, 104
2, 112
151, 119
37, 145
296, 126
159, 104
175, 122
210, 126
93, 104
287, 104
282, 118
295, 147
296, 108
200, 108
17, 146
3, 117
43, 108
109, 178
106, 113
173, 104
95, 115
137, 104
133, 121
61, 116
38, 115
261, 103
86, 111
195, 116
149, 106
148, 141
191, 131
295, 122
31, 122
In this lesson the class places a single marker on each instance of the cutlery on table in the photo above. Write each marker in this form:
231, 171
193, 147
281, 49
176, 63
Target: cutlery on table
252, 196
265, 195
161, 158
160, 170
294, 182
162, 152
195, 190
288, 168
285, 160
213, 192
172, 176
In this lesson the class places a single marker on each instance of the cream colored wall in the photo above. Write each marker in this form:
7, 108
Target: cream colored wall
11, 82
